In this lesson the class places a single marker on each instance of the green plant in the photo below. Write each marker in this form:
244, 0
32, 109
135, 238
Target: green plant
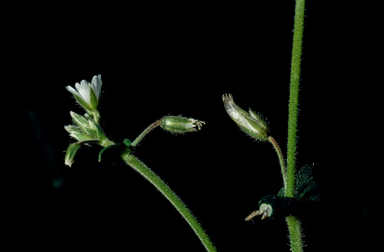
299, 188
86, 130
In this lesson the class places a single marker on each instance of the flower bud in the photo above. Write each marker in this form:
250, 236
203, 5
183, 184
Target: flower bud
87, 126
250, 123
179, 124
85, 129
70, 154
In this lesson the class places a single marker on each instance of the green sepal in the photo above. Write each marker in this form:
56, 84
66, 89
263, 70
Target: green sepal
80, 121
87, 126
82, 137
82, 103
92, 115
259, 120
94, 129
94, 101
72, 128
262, 135
70, 154
99, 132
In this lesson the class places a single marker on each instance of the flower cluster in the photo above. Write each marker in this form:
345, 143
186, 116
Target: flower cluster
85, 128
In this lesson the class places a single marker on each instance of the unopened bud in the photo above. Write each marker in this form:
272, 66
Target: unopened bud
86, 128
179, 124
70, 154
86, 125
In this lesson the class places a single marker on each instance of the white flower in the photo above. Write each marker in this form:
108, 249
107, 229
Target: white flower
87, 94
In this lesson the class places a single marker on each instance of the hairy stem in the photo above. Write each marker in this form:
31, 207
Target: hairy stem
145, 132
294, 96
293, 222
294, 227
281, 160
149, 175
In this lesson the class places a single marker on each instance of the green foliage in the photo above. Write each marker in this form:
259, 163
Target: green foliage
306, 193
306, 187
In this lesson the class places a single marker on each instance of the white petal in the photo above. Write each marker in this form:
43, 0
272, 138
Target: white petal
84, 90
72, 90
96, 85
77, 86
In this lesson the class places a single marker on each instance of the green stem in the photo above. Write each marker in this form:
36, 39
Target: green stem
281, 160
148, 174
294, 227
294, 96
145, 132
293, 222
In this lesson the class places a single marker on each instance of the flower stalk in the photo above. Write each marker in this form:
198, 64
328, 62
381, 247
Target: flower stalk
145, 132
281, 160
160, 185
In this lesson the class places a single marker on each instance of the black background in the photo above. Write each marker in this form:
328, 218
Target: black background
178, 58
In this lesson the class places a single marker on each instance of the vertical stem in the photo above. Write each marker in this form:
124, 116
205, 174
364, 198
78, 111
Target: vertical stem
294, 227
145, 132
149, 175
293, 222
294, 96
281, 160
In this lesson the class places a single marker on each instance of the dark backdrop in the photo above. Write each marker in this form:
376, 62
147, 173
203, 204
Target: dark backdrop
179, 58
